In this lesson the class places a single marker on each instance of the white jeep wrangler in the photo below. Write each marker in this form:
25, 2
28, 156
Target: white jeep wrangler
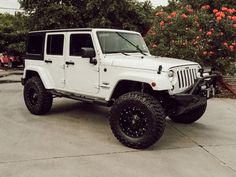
114, 68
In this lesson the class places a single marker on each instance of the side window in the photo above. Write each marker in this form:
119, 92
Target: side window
35, 44
55, 44
78, 41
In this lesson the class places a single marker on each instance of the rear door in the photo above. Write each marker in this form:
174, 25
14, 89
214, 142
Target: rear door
54, 58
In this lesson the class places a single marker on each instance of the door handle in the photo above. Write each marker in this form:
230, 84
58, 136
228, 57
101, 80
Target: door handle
47, 61
70, 63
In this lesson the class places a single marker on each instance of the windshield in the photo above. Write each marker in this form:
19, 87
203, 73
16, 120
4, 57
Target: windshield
121, 42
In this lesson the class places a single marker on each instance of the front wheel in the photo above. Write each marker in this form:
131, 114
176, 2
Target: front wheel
137, 120
37, 99
191, 116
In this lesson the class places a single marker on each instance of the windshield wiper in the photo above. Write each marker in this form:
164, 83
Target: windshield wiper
136, 46
124, 53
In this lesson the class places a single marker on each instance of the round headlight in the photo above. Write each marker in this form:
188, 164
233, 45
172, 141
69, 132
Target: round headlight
171, 73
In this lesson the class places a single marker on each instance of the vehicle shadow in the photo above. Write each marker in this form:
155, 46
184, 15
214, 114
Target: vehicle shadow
175, 136
80, 109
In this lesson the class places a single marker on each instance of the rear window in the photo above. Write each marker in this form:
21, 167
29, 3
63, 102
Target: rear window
35, 44
55, 44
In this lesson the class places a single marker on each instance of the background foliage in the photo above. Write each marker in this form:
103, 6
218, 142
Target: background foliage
202, 31
198, 30
123, 14
13, 29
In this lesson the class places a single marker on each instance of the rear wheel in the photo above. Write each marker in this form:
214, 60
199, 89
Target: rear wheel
137, 120
37, 99
191, 116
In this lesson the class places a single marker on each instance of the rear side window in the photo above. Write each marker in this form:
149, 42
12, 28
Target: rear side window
78, 41
55, 44
35, 44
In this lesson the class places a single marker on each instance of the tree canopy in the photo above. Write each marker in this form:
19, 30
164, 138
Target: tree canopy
202, 31
13, 29
122, 14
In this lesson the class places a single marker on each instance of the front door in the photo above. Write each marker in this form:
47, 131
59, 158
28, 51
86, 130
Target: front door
82, 77
54, 59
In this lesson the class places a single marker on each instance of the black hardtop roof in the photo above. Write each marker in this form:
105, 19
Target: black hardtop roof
61, 30
78, 29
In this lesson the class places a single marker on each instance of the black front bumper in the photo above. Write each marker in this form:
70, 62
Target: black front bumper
195, 96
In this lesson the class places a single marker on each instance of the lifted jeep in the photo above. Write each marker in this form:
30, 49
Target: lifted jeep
114, 68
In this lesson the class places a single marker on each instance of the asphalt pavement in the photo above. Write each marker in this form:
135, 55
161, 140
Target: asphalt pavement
74, 140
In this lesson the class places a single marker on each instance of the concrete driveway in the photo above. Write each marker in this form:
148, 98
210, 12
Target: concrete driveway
75, 140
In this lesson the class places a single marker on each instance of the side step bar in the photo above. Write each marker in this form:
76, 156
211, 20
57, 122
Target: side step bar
97, 101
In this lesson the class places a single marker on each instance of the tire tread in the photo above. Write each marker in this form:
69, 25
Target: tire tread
156, 109
46, 97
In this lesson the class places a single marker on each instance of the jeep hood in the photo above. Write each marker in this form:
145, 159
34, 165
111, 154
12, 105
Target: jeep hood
147, 62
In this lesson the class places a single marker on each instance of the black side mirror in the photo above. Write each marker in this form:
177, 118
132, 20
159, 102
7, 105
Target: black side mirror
89, 53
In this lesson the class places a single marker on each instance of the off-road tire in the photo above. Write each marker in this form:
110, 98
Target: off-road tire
191, 116
37, 99
154, 116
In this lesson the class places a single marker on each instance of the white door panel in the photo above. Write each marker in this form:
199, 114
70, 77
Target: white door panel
81, 76
54, 60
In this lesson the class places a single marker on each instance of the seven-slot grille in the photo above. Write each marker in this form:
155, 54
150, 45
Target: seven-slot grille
186, 77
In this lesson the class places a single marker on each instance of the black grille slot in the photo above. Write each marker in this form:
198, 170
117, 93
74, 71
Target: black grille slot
188, 79
191, 77
179, 79
185, 78
182, 78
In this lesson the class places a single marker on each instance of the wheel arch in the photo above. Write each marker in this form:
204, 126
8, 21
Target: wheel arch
127, 80
125, 86
31, 72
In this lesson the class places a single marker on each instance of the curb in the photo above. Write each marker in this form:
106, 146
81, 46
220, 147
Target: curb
9, 74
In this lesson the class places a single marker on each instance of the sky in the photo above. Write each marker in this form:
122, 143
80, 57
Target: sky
158, 2
13, 4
